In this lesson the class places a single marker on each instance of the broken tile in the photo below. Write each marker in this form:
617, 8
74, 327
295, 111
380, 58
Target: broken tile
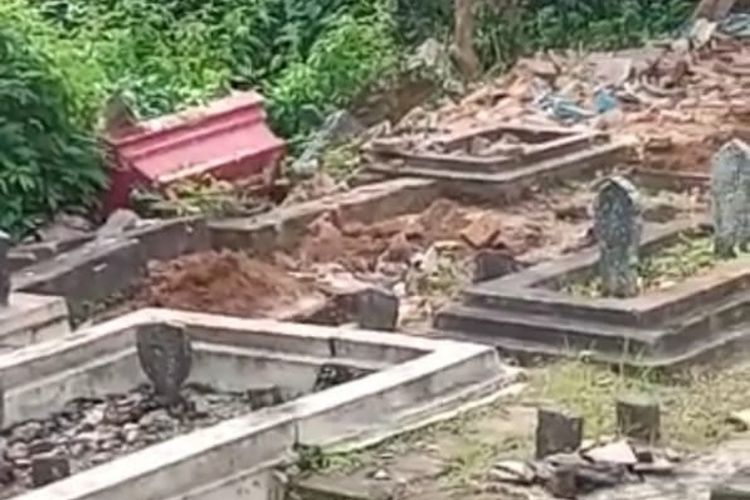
614, 453
482, 231
513, 471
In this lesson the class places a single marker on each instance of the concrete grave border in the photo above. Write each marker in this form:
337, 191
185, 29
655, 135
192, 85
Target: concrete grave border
524, 312
570, 152
425, 376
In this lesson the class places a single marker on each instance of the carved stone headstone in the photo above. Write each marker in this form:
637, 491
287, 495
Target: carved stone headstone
730, 198
165, 355
377, 309
4, 269
618, 226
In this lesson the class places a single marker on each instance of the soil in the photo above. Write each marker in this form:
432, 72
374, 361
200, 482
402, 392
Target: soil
222, 282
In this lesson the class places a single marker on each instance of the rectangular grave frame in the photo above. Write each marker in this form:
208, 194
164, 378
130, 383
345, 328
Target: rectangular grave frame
563, 141
570, 151
420, 377
658, 328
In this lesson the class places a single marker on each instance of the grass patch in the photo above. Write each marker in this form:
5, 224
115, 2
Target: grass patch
695, 403
691, 255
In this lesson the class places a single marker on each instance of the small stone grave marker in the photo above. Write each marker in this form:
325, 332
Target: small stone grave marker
165, 355
377, 309
557, 431
618, 226
4, 269
730, 198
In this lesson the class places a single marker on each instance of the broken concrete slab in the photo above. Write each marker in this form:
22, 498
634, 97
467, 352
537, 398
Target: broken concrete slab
619, 452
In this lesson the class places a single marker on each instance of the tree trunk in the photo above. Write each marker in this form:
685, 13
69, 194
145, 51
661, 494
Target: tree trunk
466, 56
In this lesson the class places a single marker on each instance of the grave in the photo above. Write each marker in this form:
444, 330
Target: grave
537, 310
499, 155
233, 398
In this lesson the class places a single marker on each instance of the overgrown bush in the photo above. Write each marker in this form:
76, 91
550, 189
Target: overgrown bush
46, 161
352, 52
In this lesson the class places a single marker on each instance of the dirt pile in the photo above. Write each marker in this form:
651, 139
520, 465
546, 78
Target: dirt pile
222, 282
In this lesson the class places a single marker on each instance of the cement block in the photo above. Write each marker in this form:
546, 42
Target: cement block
736, 487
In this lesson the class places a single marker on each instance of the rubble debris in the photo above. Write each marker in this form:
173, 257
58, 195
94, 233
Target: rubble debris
639, 417
377, 309
568, 475
89, 431
513, 471
483, 231
619, 452
691, 92
557, 431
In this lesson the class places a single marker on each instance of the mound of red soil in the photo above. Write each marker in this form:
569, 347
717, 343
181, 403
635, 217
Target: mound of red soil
224, 283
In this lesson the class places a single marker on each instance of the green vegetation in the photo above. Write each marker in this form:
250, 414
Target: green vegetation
696, 404
306, 57
691, 255
45, 160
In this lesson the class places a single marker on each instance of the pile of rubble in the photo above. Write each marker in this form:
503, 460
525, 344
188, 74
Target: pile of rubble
90, 431
680, 98
567, 466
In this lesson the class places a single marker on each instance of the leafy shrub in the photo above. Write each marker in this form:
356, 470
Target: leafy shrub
353, 52
46, 162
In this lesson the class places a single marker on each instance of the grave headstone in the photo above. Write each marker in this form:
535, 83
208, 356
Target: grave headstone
377, 309
730, 198
618, 226
165, 355
4, 269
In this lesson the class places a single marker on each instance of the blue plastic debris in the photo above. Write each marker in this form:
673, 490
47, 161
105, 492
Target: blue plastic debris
604, 101
736, 25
